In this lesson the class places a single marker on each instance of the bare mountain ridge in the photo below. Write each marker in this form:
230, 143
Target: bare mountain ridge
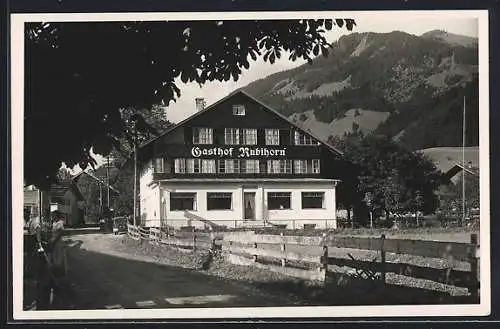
451, 39
396, 74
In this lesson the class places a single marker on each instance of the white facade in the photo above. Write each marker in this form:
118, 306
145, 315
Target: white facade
156, 203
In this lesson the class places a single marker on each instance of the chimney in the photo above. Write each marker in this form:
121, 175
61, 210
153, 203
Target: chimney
200, 104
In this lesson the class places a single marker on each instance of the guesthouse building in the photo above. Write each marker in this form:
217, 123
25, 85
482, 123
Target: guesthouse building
238, 163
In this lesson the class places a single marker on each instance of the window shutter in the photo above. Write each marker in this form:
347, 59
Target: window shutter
285, 137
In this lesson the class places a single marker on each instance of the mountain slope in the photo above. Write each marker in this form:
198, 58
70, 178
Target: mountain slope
402, 76
451, 39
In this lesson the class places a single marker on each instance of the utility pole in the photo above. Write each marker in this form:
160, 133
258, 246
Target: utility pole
463, 165
107, 180
100, 198
135, 179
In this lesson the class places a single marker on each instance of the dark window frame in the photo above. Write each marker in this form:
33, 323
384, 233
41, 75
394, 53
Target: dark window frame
279, 200
309, 200
218, 201
186, 198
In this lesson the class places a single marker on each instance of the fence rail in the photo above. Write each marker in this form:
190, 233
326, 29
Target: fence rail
257, 249
288, 254
182, 240
432, 249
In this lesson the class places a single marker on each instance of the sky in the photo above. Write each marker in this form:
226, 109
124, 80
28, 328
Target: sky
368, 22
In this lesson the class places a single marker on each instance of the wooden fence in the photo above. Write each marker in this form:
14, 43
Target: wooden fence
267, 251
189, 241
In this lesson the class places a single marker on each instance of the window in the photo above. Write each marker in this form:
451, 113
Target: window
238, 109
208, 166
315, 166
278, 200
250, 136
285, 166
306, 166
203, 136
272, 137
304, 139
180, 166
159, 165
219, 201
193, 166
300, 166
182, 201
232, 136
221, 166
279, 166
312, 200
232, 166
250, 166
273, 166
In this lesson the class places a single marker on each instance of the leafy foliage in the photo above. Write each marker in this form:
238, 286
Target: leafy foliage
451, 195
397, 179
121, 173
84, 73
63, 175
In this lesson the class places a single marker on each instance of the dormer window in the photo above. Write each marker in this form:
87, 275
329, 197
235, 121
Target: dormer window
239, 109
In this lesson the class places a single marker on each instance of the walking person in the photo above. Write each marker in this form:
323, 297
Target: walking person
40, 229
58, 259
51, 263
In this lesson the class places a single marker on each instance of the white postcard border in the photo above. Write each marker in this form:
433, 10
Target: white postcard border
17, 97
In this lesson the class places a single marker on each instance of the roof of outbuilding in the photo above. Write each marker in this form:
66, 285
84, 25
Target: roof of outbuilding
60, 189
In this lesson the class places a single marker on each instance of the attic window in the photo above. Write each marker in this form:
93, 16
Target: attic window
238, 109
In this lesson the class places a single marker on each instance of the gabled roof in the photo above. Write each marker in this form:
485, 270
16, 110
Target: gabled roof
59, 190
77, 176
458, 168
265, 106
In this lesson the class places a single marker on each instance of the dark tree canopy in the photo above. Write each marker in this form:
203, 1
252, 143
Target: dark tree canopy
79, 76
396, 179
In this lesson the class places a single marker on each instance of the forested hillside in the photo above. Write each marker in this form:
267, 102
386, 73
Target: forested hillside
416, 83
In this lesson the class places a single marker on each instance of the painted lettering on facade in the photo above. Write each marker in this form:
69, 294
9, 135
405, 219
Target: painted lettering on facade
241, 152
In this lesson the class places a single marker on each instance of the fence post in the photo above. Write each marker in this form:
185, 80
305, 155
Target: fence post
324, 262
283, 248
324, 258
474, 280
382, 259
194, 239
255, 256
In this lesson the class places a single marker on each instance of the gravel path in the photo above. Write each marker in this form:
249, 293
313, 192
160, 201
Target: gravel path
110, 271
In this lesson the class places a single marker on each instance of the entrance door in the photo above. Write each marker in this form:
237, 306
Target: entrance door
249, 204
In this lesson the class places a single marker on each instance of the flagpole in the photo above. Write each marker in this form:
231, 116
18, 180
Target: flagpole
463, 164
107, 181
135, 180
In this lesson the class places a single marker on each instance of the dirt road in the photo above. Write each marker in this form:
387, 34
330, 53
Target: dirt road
103, 276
